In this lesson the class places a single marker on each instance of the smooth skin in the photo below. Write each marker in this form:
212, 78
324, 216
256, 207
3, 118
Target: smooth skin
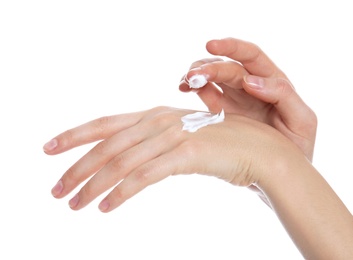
313, 215
145, 147
243, 80
249, 83
262, 110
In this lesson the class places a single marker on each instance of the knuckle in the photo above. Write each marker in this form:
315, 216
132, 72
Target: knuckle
67, 137
118, 162
284, 87
311, 119
88, 190
100, 148
163, 119
199, 63
189, 148
143, 174
256, 47
118, 194
254, 52
101, 124
158, 109
174, 132
282, 90
71, 176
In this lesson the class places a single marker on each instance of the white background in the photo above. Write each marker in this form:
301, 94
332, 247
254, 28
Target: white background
63, 63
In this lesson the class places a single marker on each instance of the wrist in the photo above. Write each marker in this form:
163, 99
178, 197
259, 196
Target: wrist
311, 212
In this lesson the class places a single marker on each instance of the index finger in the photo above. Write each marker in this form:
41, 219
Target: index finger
254, 60
91, 131
183, 85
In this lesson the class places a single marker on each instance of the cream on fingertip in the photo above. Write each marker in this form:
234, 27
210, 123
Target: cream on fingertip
197, 81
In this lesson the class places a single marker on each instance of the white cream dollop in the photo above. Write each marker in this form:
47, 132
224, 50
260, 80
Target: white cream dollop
197, 81
195, 121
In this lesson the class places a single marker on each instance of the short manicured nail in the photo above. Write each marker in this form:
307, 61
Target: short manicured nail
51, 145
57, 189
254, 82
74, 201
104, 205
197, 81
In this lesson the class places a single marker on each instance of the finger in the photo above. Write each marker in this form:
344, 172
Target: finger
248, 54
183, 85
228, 72
147, 174
89, 132
198, 63
122, 164
209, 93
211, 96
157, 120
227, 76
278, 91
97, 157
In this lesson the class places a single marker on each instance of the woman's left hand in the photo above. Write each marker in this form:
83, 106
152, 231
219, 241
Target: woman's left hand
139, 149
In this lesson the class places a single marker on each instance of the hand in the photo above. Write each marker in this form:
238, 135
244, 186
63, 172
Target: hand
139, 149
253, 86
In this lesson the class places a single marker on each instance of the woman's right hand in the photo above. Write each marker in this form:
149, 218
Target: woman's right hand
250, 84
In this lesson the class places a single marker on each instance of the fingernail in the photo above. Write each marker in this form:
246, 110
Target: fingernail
254, 82
51, 145
57, 189
104, 205
74, 201
197, 81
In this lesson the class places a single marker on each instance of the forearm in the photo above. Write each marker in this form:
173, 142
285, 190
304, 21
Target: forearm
316, 219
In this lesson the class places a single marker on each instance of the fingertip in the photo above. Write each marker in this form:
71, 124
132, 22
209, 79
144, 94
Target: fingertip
108, 204
57, 189
198, 81
212, 45
184, 86
218, 46
195, 79
73, 203
104, 206
210, 42
50, 146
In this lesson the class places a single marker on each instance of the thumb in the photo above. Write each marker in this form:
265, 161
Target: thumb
280, 93
296, 120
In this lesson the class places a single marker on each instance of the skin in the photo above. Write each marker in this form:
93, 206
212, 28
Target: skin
262, 110
315, 218
249, 83
252, 85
